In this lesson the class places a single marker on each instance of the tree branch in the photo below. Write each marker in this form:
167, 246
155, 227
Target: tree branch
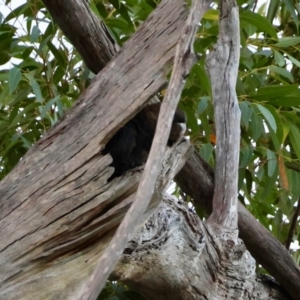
57, 209
84, 38
222, 65
293, 226
196, 178
173, 252
184, 60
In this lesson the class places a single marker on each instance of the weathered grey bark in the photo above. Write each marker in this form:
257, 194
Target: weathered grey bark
174, 256
189, 246
184, 60
197, 179
56, 218
222, 66
79, 223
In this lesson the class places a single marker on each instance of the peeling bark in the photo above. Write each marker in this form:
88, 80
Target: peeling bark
57, 210
184, 60
197, 178
57, 213
222, 66
174, 256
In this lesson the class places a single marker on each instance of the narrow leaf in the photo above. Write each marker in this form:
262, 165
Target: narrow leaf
268, 116
272, 10
246, 156
276, 91
294, 60
14, 79
271, 162
35, 87
246, 112
35, 32
295, 139
287, 41
256, 125
259, 22
283, 72
202, 104
285, 101
289, 4
206, 151
282, 173
279, 58
48, 106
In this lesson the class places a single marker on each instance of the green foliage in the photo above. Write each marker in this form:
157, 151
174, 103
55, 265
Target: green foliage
40, 78
41, 75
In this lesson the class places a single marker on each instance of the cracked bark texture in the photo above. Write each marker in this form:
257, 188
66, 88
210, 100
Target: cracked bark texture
175, 256
184, 60
57, 210
41, 199
196, 178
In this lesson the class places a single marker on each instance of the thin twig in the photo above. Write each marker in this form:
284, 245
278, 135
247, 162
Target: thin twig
293, 226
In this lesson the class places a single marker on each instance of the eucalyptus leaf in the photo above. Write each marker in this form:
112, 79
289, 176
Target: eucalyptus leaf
268, 116
258, 21
14, 79
206, 151
288, 41
272, 162
279, 58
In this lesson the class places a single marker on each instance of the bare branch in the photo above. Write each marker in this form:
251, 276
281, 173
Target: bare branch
222, 66
56, 205
195, 179
184, 60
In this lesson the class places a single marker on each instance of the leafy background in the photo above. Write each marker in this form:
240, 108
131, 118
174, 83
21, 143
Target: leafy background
41, 75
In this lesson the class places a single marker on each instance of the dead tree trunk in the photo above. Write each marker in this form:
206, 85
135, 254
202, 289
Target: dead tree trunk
57, 211
196, 178
176, 240
175, 256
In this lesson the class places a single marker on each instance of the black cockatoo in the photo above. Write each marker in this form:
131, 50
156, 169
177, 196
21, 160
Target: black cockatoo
130, 146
